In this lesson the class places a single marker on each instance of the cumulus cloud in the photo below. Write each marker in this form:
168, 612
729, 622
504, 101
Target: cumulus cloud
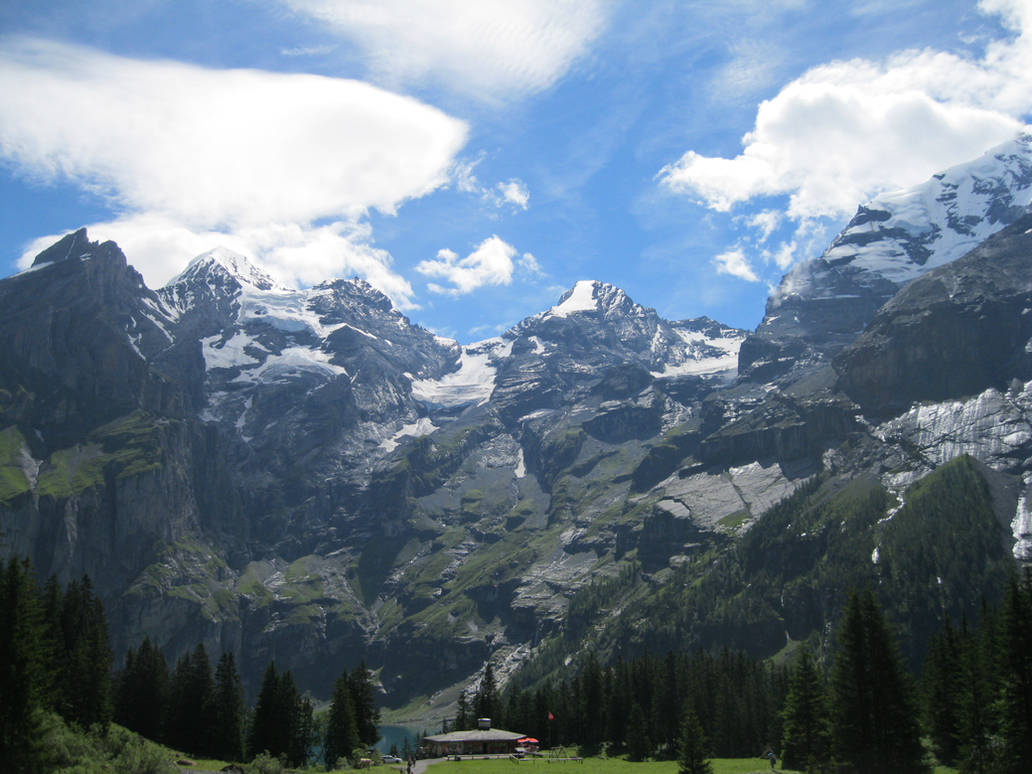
491, 263
847, 130
735, 263
222, 151
488, 49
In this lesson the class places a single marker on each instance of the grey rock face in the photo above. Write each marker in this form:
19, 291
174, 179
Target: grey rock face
952, 332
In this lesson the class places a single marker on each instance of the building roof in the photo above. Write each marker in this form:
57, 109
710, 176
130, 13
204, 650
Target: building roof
475, 735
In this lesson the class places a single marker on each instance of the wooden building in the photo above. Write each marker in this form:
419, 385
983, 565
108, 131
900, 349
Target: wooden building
482, 740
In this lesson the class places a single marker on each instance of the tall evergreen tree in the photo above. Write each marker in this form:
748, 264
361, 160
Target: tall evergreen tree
806, 744
639, 746
228, 710
668, 712
691, 750
270, 724
486, 703
341, 728
976, 748
462, 713
190, 712
303, 732
1015, 670
874, 715
590, 709
941, 681
142, 694
618, 707
367, 715
23, 669
84, 657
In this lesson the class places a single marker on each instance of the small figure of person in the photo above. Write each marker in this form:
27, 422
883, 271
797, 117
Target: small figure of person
772, 758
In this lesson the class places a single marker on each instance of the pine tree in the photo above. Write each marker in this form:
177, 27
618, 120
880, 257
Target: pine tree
486, 703
806, 742
941, 678
875, 727
191, 696
270, 725
23, 669
303, 733
228, 710
367, 715
639, 746
83, 658
591, 698
142, 694
667, 705
974, 701
462, 713
619, 706
341, 728
1015, 669
691, 751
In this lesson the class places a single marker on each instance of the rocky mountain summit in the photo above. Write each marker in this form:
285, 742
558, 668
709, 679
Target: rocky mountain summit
822, 304
305, 475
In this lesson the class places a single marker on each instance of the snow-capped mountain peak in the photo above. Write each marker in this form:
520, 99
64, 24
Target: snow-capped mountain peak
822, 304
593, 296
900, 235
222, 259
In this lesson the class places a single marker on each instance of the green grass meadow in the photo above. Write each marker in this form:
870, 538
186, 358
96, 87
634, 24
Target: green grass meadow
596, 766
611, 766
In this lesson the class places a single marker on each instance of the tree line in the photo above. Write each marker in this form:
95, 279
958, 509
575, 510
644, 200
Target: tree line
55, 657
856, 709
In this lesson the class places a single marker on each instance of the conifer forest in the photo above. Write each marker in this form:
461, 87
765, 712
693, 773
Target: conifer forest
856, 707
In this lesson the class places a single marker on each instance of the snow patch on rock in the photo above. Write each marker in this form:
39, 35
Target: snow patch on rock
580, 299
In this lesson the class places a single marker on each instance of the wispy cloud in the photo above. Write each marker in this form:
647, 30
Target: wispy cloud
247, 154
490, 49
307, 50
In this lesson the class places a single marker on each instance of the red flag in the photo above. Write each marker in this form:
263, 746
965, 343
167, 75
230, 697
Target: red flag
551, 716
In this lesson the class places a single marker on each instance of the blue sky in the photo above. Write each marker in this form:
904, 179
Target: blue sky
475, 159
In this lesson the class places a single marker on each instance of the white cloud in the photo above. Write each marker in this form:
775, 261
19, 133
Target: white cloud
491, 263
514, 192
847, 130
735, 263
218, 146
490, 49
248, 158
783, 257
529, 263
765, 222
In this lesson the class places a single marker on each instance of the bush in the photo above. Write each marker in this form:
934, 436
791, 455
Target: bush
264, 763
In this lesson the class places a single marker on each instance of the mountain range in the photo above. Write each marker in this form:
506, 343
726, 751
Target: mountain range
307, 476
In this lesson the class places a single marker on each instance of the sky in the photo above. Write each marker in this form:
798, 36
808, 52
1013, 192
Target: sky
473, 160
